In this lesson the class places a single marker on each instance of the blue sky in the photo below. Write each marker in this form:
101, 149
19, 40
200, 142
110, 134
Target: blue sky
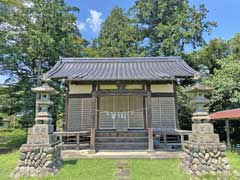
93, 12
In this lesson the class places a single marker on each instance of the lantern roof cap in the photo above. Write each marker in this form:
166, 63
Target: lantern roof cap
197, 87
45, 88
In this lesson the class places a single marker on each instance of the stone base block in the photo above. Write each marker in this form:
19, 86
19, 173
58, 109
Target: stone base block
38, 161
42, 139
41, 134
41, 129
204, 138
202, 128
203, 158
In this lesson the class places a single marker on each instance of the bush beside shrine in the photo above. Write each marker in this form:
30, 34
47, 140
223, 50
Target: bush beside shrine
12, 138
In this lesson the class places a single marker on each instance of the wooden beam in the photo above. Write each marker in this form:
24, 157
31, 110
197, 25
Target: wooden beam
79, 95
123, 92
163, 94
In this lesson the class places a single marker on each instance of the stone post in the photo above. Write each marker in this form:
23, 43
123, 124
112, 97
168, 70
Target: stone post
41, 156
204, 153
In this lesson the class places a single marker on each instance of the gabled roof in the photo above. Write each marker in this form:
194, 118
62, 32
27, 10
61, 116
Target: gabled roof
107, 69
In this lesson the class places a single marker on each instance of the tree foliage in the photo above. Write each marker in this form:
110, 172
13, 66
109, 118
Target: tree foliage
184, 109
226, 93
209, 54
226, 83
33, 38
119, 36
171, 25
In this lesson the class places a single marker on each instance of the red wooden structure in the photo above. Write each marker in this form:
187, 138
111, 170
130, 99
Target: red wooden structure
226, 115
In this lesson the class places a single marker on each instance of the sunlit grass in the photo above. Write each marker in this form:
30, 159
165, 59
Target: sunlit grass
104, 169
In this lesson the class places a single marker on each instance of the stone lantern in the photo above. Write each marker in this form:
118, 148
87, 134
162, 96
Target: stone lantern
43, 120
43, 103
41, 156
204, 153
200, 115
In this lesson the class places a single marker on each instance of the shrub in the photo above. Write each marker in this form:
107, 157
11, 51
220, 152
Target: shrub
12, 138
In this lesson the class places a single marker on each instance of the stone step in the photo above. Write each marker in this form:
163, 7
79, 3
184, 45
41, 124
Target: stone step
122, 146
121, 134
121, 139
75, 146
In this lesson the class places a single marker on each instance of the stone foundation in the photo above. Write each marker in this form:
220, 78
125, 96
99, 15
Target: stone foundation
203, 158
38, 161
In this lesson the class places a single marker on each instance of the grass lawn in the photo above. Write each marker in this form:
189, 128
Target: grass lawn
104, 169
147, 169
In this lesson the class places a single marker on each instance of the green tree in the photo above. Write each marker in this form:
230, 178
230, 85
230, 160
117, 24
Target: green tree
119, 36
226, 93
184, 109
171, 25
226, 83
36, 35
234, 45
209, 54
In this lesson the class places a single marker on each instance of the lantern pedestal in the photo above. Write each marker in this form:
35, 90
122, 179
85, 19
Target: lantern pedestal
41, 134
41, 156
204, 152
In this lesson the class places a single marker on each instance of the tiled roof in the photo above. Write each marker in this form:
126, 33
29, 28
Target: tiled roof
140, 68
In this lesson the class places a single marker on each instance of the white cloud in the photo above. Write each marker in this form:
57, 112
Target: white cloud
81, 26
95, 20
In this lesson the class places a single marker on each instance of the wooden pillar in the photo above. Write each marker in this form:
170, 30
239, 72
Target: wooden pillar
149, 107
78, 141
175, 103
182, 138
165, 140
94, 119
92, 141
94, 106
228, 135
150, 140
60, 138
149, 119
64, 124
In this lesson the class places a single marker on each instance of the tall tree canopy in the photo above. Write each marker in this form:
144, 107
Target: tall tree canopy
226, 83
41, 31
171, 25
209, 54
226, 78
35, 35
119, 36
